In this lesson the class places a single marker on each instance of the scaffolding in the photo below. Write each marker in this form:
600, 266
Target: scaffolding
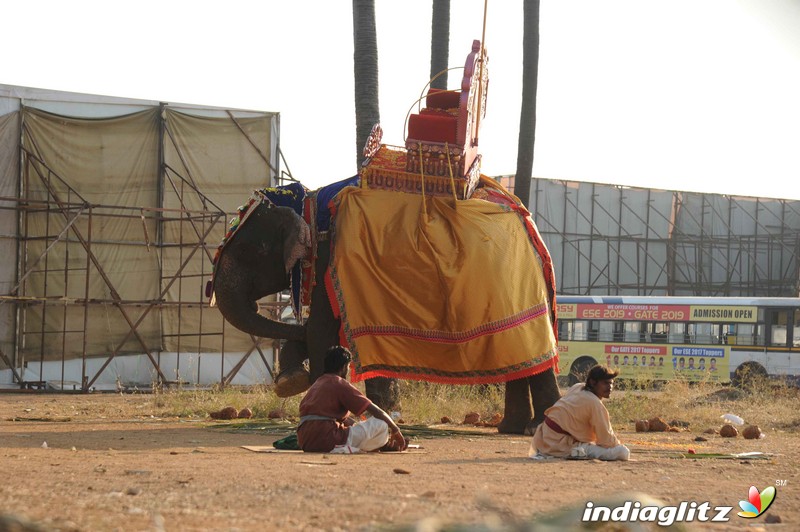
616, 240
111, 214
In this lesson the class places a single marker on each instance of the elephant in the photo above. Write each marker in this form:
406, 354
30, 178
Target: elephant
257, 260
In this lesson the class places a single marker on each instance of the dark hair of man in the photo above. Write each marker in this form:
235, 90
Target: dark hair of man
599, 373
336, 358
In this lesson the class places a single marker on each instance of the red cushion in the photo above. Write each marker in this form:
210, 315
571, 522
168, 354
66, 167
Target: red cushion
432, 128
442, 99
438, 112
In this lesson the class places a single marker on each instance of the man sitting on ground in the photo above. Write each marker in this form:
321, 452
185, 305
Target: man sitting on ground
578, 425
325, 422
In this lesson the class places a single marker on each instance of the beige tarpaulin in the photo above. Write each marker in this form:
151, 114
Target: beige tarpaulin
143, 241
224, 157
107, 162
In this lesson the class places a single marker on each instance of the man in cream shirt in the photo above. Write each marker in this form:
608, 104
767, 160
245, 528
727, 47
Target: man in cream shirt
578, 425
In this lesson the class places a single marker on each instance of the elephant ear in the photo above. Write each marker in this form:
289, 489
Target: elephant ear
297, 242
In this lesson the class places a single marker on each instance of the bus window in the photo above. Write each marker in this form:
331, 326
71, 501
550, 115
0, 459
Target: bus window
592, 332
605, 331
777, 320
565, 330
796, 329
619, 331
741, 334
677, 333
778, 336
632, 331
702, 333
580, 330
659, 332
760, 337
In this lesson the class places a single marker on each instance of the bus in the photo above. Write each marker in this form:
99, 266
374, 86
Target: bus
717, 339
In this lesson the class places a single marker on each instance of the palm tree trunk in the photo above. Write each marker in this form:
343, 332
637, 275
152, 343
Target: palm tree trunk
440, 42
530, 80
365, 70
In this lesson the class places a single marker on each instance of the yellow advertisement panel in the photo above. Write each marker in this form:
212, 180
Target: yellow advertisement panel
567, 311
649, 361
724, 313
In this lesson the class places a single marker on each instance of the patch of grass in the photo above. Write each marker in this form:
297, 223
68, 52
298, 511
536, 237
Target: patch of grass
199, 403
422, 403
673, 402
427, 403
766, 403
770, 404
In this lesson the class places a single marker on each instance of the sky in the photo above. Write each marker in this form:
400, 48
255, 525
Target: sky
697, 95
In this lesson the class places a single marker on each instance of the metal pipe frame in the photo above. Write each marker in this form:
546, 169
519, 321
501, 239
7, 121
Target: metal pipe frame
706, 251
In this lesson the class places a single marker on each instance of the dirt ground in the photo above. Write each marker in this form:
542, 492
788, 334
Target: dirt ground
110, 464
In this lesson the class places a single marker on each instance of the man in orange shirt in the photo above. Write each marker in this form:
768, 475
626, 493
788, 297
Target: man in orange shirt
578, 425
325, 423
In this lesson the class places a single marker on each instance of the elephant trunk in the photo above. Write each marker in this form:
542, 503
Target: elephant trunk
236, 299
243, 315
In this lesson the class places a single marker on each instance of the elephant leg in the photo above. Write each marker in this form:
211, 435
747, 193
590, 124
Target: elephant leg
545, 393
323, 333
293, 377
518, 410
322, 328
384, 392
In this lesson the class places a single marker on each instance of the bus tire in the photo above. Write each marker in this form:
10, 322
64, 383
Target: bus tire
748, 374
579, 369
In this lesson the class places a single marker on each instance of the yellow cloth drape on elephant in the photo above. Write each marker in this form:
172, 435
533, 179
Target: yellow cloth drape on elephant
452, 295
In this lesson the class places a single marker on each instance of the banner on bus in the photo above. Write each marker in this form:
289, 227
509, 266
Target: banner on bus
658, 362
657, 313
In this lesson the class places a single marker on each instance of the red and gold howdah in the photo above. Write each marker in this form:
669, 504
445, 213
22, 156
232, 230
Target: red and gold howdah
440, 157
387, 171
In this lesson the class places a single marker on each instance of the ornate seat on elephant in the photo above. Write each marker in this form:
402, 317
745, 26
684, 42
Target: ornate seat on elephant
438, 120
444, 134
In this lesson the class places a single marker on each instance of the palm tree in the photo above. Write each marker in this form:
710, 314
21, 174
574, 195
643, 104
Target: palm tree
530, 80
384, 392
517, 389
365, 70
440, 42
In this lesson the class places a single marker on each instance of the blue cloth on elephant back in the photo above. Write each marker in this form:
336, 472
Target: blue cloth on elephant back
291, 195
324, 197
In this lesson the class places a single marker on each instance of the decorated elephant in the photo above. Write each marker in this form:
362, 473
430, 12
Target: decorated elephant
419, 287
